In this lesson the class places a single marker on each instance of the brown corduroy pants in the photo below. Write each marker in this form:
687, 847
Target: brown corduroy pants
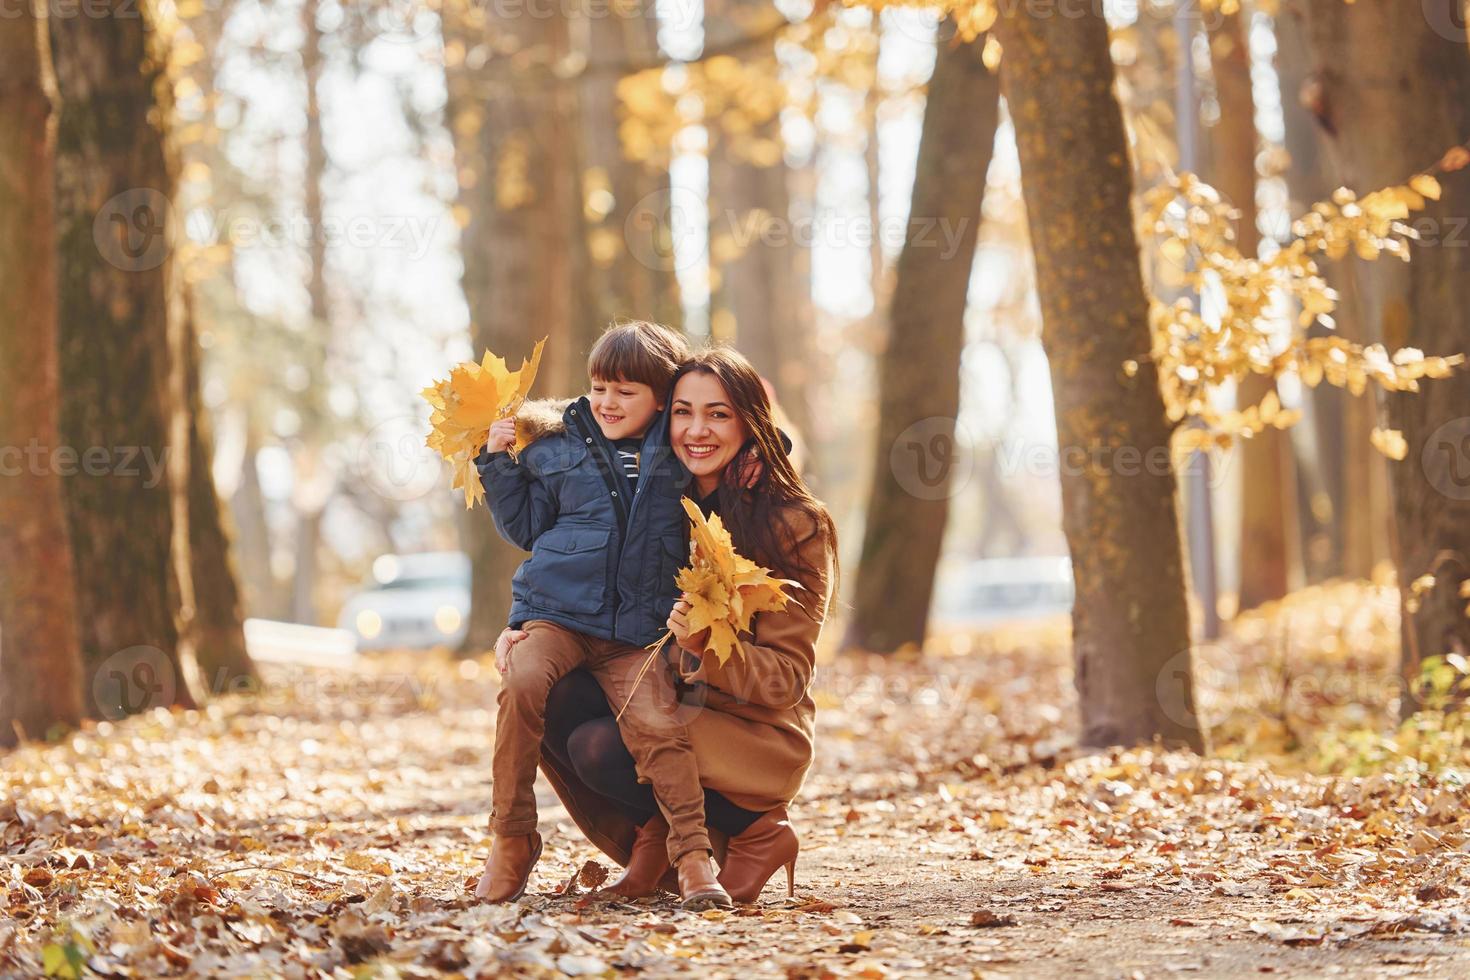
654, 733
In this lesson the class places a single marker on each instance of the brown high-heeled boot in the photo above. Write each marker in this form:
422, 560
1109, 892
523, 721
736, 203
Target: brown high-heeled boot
754, 856
508, 868
698, 885
648, 862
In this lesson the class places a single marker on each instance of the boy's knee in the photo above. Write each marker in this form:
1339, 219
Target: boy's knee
526, 686
651, 722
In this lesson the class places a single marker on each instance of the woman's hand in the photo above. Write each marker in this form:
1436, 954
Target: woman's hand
678, 624
502, 436
508, 639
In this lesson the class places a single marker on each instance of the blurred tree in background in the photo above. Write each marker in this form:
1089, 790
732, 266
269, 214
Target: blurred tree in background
918, 374
40, 668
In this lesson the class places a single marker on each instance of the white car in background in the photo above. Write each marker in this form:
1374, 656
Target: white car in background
987, 591
413, 602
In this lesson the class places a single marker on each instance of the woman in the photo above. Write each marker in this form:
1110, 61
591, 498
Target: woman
751, 721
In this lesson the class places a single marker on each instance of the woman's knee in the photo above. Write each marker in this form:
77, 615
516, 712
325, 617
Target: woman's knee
576, 698
598, 755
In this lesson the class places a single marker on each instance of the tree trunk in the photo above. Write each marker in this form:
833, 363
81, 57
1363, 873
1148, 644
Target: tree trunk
262, 591
1130, 622
626, 279
1268, 502
115, 227
759, 298
312, 485
1396, 92
1343, 479
40, 664
514, 122
218, 619
918, 377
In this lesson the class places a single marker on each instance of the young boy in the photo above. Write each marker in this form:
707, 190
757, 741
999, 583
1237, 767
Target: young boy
595, 498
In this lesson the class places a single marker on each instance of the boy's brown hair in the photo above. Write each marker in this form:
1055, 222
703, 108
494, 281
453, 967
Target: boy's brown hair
638, 351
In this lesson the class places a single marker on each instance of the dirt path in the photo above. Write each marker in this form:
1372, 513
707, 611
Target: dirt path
331, 828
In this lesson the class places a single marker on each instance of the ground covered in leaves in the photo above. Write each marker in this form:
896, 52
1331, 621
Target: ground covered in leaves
333, 824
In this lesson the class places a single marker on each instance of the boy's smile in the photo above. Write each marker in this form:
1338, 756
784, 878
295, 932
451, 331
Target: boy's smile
624, 409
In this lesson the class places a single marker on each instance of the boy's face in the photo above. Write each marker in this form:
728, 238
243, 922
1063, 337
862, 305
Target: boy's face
624, 409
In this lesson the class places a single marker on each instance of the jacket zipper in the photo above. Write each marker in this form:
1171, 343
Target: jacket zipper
596, 444
609, 475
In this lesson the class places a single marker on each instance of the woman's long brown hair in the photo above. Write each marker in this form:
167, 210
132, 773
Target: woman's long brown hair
753, 514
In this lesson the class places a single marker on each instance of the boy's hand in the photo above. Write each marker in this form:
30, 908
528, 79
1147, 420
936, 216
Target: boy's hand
502, 436
508, 639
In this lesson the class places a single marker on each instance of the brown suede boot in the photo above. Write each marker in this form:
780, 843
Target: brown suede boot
766, 845
698, 885
648, 862
508, 868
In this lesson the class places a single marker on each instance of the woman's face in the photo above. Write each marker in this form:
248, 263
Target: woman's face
704, 428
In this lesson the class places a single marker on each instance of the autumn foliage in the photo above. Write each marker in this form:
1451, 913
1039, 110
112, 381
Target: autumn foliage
474, 397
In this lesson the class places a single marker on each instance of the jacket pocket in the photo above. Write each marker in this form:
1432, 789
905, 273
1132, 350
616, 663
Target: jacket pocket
557, 458
569, 569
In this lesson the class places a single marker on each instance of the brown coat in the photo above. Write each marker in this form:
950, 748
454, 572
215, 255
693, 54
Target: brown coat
754, 738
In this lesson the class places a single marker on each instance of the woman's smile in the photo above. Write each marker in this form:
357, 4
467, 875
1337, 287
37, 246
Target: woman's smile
704, 429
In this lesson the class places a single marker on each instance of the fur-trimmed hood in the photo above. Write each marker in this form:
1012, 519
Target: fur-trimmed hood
543, 417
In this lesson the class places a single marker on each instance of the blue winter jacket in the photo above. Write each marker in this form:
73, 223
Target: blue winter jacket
603, 556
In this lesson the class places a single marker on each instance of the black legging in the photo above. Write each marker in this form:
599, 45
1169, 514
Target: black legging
583, 735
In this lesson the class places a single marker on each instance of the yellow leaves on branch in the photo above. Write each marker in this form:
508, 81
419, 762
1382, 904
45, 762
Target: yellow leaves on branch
738, 95
733, 97
475, 396
1232, 325
724, 588
972, 17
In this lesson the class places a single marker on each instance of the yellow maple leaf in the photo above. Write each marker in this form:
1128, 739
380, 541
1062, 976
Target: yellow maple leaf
467, 403
725, 590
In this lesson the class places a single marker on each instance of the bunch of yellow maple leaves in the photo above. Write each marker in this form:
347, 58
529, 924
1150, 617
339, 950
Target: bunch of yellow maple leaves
724, 588
474, 397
